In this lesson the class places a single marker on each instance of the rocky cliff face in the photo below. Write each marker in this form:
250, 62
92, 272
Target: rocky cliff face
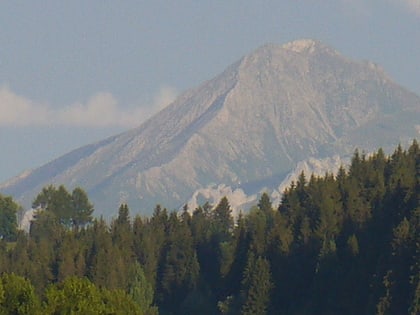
247, 128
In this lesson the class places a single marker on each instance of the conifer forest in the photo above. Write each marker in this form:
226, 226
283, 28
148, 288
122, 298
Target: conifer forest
345, 243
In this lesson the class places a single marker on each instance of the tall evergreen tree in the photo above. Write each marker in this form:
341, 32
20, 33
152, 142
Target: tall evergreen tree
223, 220
256, 286
179, 268
82, 208
8, 220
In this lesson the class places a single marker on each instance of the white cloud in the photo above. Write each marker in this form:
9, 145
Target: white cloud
17, 110
101, 110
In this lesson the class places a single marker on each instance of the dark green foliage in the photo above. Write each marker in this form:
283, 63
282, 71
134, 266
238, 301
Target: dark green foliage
179, 271
344, 244
8, 222
71, 210
222, 220
82, 209
256, 286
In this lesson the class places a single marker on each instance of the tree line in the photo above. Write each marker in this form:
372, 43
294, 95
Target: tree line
337, 244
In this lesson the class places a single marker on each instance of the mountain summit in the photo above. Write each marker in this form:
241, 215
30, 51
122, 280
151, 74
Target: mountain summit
247, 128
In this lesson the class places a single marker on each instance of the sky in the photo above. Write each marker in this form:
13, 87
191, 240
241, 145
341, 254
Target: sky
75, 72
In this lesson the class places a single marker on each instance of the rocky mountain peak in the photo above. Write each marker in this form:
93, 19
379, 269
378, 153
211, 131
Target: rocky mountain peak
247, 129
301, 45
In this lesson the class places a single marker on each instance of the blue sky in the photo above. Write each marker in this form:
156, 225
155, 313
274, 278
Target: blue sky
75, 72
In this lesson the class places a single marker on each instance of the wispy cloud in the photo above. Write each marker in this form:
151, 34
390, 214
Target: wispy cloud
164, 97
101, 110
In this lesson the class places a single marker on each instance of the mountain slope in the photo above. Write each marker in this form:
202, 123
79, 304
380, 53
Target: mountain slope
255, 121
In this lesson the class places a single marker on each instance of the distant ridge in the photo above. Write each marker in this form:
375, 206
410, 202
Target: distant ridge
276, 107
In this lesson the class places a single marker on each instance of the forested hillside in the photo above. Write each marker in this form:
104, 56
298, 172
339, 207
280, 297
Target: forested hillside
339, 244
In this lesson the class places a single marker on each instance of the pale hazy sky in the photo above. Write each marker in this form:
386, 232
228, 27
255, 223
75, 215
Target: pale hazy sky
73, 72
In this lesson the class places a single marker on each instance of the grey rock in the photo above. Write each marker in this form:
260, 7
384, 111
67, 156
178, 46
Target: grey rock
246, 129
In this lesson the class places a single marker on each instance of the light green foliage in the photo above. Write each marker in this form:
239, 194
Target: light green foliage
118, 302
18, 296
140, 290
74, 296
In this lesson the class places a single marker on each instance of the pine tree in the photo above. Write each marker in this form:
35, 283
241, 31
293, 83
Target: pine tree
223, 220
264, 204
140, 290
256, 286
179, 268
82, 209
121, 229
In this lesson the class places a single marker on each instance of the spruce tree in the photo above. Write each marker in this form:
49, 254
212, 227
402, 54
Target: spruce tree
256, 286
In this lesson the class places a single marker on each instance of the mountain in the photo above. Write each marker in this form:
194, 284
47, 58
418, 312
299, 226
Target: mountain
239, 200
247, 129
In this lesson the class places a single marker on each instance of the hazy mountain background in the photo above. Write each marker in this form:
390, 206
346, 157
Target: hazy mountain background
247, 130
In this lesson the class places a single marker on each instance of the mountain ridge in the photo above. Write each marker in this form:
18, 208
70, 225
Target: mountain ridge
277, 106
